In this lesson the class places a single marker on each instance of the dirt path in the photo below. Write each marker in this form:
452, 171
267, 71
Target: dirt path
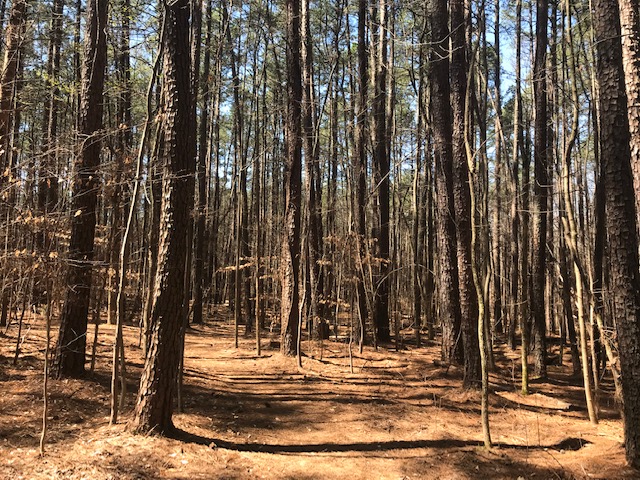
397, 416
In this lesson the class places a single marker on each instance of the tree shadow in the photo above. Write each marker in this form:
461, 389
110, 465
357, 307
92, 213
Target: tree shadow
568, 444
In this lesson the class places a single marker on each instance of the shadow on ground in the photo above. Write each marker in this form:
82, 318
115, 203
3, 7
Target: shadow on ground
572, 444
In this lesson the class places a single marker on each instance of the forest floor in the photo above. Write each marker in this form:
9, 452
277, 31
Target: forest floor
395, 415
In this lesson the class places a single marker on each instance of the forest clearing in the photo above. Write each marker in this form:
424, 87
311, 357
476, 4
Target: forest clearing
399, 415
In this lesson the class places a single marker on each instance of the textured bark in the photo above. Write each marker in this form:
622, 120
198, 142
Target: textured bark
10, 68
624, 291
159, 377
449, 294
630, 28
9, 121
360, 156
70, 349
462, 198
290, 260
381, 169
540, 191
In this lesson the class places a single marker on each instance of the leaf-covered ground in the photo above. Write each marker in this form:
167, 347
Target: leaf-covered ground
391, 415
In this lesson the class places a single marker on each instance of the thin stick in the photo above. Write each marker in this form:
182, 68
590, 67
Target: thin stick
45, 386
118, 344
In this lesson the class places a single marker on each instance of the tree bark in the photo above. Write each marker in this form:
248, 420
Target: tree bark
10, 68
70, 349
290, 260
440, 110
621, 225
154, 407
382, 170
540, 191
462, 198
630, 29
360, 159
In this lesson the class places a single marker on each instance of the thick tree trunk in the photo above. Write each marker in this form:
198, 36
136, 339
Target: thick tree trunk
9, 117
159, 377
462, 198
290, 260
630, 29
440, 109
624, 292
381, 169
70, 349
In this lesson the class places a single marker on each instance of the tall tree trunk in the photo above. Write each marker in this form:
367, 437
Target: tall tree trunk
240, 157
570, 227
514, 175
201, 174
360, 157
70, 349
123, 158
290, 260
381, 169
314, 201
416, 228
9, 87
540, 190
624, 291
462, 198
440, 110
214, 202
630, 28
154, 407
498, 260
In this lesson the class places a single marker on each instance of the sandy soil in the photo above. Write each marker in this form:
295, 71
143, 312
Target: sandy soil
395, 415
